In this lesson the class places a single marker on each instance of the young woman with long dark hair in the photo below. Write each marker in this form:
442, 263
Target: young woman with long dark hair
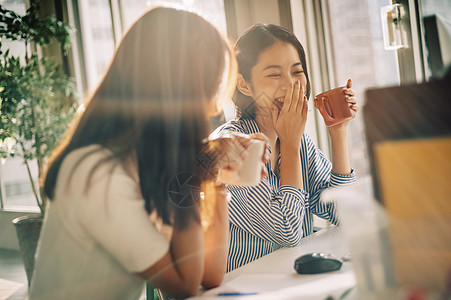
129, 184
271, 95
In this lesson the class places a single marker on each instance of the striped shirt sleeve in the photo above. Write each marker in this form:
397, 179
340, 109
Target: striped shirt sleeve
321, 177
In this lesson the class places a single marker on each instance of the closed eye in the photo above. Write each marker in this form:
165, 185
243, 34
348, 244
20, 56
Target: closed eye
274, 75
298, 72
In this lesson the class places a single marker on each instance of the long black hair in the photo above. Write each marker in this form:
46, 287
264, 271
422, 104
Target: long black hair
152, 104
248, 47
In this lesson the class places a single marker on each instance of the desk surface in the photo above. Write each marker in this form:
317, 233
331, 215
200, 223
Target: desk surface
273, 276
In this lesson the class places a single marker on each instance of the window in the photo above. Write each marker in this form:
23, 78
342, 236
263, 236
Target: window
102, 22
15, 183
437, 7
356, 46
357, 51
212, 10
97, 34
436, 49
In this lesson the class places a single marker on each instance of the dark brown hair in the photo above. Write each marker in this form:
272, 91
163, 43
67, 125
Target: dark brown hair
152, 103
248, 47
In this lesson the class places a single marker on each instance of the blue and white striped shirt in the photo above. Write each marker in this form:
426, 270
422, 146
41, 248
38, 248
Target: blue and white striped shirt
268, 216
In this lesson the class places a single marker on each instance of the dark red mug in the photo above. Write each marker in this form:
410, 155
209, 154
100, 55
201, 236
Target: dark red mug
333, 106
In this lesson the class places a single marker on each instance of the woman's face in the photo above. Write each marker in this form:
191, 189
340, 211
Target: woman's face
278, 66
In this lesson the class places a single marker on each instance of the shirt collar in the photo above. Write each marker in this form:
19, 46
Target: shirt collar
250, 126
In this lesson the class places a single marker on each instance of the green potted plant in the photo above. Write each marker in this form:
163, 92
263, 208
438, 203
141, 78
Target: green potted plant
36, 102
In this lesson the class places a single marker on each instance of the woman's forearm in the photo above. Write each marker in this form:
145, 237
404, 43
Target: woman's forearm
340, 156
216, 239
186, 251
179, 272
290, 167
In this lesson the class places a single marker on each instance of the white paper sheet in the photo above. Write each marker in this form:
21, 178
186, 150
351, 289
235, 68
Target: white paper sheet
285, 286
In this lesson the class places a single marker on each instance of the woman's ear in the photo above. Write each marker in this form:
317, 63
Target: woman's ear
243, 86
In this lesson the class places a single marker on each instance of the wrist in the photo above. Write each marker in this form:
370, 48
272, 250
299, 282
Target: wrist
289, 149
338, 131
213, 203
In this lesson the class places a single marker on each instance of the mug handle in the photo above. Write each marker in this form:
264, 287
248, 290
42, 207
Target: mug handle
326, 113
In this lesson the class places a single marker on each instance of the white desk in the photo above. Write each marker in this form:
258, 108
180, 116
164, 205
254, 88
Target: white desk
273, 276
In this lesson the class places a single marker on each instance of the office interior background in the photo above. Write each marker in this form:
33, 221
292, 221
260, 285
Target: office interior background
343, 39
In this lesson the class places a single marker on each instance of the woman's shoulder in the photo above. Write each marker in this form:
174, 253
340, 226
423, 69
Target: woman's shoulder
240, 125
92, 171
86, 162
96, 150
232, 125
86, 157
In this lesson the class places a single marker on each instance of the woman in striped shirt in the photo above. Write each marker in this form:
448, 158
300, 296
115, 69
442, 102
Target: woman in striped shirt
271, 98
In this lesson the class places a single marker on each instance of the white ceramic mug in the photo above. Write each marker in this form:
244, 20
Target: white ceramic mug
250, 171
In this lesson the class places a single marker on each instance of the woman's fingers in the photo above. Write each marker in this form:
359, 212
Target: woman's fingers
264, 172
297, 99
259, 136
352, 103
349, 95
305, 106
288, 99
290, 124
349, 83
349, 92
351, 100
300, 96
275, 114
316, 102
266, 154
